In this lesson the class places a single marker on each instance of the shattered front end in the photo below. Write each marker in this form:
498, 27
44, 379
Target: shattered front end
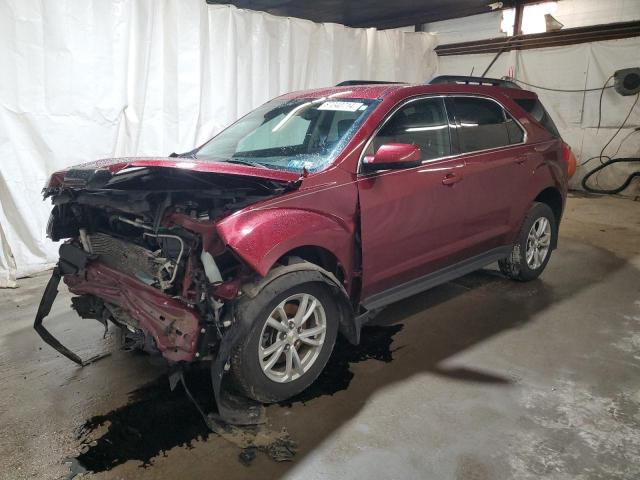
141, 251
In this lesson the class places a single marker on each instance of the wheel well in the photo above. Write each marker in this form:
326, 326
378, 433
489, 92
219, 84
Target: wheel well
551, 196
319, 256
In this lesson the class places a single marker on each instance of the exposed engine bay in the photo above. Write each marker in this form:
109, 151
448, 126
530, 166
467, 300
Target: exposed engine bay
141, 250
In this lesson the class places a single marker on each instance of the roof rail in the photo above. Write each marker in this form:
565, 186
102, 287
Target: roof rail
494, 82
346, 83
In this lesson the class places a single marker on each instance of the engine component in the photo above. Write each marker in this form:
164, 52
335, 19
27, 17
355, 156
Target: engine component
211, 270
169, 266
136, 261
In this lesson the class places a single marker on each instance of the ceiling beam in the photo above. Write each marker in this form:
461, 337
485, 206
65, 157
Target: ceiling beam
569, 36
380, 14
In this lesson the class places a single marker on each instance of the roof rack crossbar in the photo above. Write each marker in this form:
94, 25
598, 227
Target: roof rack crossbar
495, 82
347, 83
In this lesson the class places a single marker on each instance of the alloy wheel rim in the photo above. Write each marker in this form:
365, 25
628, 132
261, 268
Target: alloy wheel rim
538, 243
292, 338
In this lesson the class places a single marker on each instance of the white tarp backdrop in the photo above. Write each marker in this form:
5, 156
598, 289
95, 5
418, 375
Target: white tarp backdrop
82, 80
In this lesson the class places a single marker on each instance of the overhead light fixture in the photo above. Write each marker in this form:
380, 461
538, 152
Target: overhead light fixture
534, 18
552, 24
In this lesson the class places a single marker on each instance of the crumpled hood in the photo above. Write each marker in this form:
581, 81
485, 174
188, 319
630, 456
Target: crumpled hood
114, 165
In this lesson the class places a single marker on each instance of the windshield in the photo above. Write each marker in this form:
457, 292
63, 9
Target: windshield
289, 135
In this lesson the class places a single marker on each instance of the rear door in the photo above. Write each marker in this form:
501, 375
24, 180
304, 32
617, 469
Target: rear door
497, 169
412, 219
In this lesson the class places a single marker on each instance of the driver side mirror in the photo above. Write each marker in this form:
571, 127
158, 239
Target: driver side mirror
393, 156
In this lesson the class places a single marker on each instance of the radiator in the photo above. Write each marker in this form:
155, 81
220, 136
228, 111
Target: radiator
127, 257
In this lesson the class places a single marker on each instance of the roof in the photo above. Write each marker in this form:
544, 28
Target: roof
371, 91
378, 91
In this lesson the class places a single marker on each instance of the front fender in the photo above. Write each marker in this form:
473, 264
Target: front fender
260, 237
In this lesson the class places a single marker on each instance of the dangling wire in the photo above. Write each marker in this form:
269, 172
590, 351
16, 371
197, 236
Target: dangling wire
600, 102
611, 160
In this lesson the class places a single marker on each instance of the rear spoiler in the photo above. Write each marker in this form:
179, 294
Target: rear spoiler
461, 79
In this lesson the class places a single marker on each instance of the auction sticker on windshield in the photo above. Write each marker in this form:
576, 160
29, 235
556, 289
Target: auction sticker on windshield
341, 106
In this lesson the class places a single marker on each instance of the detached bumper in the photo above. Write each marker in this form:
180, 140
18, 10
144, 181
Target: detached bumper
174, 325
50, 294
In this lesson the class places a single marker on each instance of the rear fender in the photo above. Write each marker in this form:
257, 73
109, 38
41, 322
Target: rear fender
545, 175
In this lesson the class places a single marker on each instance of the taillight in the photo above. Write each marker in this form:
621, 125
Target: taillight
570, 159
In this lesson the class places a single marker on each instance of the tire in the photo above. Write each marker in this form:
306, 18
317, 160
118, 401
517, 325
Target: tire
273, 385
517, 266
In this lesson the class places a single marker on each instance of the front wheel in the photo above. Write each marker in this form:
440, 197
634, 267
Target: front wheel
289, 343
532, 249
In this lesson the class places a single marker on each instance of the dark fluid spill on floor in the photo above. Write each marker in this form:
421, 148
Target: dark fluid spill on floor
375, 343
156, 419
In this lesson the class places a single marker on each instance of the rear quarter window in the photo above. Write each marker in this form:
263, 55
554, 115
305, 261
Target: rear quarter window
516, 134
534, 107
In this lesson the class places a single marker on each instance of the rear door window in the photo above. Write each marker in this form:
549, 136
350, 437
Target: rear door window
482, 124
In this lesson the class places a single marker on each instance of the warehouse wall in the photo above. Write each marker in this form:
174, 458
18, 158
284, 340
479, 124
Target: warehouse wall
580, 66
467, 29
89, 79
571, 13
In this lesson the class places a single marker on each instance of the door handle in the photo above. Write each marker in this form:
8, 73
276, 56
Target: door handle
522, 159
451, 178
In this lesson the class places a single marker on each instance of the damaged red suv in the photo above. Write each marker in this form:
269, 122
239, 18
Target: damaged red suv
305, 217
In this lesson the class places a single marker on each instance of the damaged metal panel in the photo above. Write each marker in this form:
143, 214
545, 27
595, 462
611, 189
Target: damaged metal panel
137, 236
174, 326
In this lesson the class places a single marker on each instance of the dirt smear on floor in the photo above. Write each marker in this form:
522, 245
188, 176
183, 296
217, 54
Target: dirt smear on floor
156, 419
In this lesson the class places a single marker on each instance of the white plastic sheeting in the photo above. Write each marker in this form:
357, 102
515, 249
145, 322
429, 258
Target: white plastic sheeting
582, 66
85, 79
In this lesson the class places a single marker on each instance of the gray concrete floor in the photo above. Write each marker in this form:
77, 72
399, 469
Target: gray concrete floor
490, 379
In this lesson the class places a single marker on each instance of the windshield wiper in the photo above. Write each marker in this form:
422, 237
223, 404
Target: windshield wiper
246, 162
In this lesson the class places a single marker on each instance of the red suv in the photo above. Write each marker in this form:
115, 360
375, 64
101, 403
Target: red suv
304, 218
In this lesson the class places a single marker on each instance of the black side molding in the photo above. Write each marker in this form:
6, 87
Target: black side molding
434, 279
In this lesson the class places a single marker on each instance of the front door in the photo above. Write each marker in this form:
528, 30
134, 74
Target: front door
412, 219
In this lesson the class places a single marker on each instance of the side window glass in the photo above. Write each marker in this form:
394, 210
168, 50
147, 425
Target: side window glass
537, 111
516, 134
482, 124
422, 123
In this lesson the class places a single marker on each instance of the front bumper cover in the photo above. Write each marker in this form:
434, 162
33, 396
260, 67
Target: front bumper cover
71, 262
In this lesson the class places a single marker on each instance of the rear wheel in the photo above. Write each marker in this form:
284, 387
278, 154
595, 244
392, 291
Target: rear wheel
532, 250
289, 343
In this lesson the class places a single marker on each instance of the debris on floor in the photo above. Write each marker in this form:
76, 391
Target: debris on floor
157, 419
277, 445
